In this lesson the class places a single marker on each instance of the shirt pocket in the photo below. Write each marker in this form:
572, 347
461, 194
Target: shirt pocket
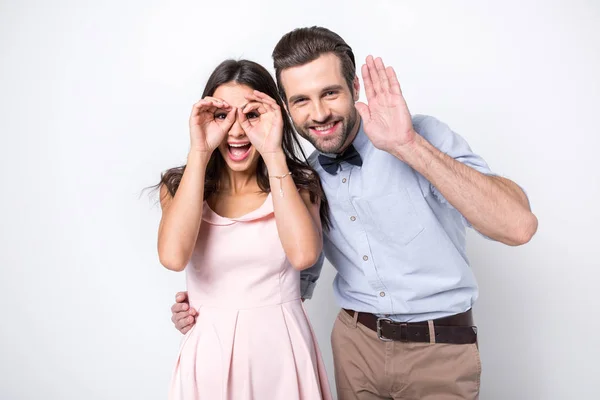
394, 217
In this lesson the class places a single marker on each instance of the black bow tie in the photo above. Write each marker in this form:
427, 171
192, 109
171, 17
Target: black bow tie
350, 155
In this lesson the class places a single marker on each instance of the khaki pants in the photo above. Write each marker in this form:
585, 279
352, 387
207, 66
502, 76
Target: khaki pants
367, 368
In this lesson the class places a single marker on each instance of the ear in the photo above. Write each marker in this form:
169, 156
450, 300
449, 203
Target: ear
356, 89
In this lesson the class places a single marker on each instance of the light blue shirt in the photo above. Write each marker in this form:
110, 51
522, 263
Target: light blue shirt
398, 246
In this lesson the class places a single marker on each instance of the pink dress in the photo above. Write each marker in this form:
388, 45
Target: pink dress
252, 339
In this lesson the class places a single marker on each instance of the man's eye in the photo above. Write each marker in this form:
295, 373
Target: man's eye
300, 100
220, 116
330, 93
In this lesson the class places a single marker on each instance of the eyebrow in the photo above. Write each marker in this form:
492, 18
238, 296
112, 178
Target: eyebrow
242, 107
332, 87
325, 89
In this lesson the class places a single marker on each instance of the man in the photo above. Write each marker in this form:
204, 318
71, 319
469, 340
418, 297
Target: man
402, 189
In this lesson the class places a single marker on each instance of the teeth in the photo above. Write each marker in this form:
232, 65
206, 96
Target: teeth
324, 127
238, 145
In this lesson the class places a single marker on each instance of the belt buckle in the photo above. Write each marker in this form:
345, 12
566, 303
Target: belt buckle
379, 335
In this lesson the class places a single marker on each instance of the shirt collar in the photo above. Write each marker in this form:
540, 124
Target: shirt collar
361, 140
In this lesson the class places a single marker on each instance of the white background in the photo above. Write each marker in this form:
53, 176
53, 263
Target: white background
94, 102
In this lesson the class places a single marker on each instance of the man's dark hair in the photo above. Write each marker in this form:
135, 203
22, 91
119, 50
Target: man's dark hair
304, 45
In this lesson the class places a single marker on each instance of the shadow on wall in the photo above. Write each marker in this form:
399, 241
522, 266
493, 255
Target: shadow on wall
506, 318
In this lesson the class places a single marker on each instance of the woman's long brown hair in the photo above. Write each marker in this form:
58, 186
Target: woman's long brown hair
257, 77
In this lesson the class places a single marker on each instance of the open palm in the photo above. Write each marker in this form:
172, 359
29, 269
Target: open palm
386, 119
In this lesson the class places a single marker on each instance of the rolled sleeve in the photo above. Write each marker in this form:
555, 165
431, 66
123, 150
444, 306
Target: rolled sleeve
452, 144
309, 277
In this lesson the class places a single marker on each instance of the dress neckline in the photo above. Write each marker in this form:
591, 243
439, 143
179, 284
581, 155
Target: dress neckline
210, 216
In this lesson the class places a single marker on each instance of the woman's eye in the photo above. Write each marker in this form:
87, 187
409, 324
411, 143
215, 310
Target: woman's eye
252, 115
220, 116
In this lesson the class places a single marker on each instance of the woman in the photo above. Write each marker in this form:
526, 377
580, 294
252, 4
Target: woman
242, 246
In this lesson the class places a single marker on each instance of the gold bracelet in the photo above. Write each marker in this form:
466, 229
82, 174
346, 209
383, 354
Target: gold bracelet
280, 177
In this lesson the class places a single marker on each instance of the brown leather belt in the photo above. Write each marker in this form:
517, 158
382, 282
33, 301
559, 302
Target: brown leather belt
455, 329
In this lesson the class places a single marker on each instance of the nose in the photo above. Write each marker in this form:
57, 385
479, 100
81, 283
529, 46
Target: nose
236, 129
321, 113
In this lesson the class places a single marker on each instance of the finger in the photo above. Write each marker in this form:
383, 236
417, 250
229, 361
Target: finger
229, 119
221, 102
373, 75
270, 104
274, 108
206, 105
177, 316
258, 107
243, 120
369, 91
202, 104
197, 107
212, 104
363, 110
394, 84
179, 307
181, 297
180, 316
383, 78
258, 99
265, 97
186, 329
185, 323
271, 107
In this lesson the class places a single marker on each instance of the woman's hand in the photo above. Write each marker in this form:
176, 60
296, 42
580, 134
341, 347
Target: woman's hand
210, 121
262, 121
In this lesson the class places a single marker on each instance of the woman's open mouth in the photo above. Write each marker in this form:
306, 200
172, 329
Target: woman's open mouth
239, 151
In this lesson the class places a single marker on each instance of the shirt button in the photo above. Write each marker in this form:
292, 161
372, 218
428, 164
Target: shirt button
353, 218
365, 258
382, 294
344, 180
